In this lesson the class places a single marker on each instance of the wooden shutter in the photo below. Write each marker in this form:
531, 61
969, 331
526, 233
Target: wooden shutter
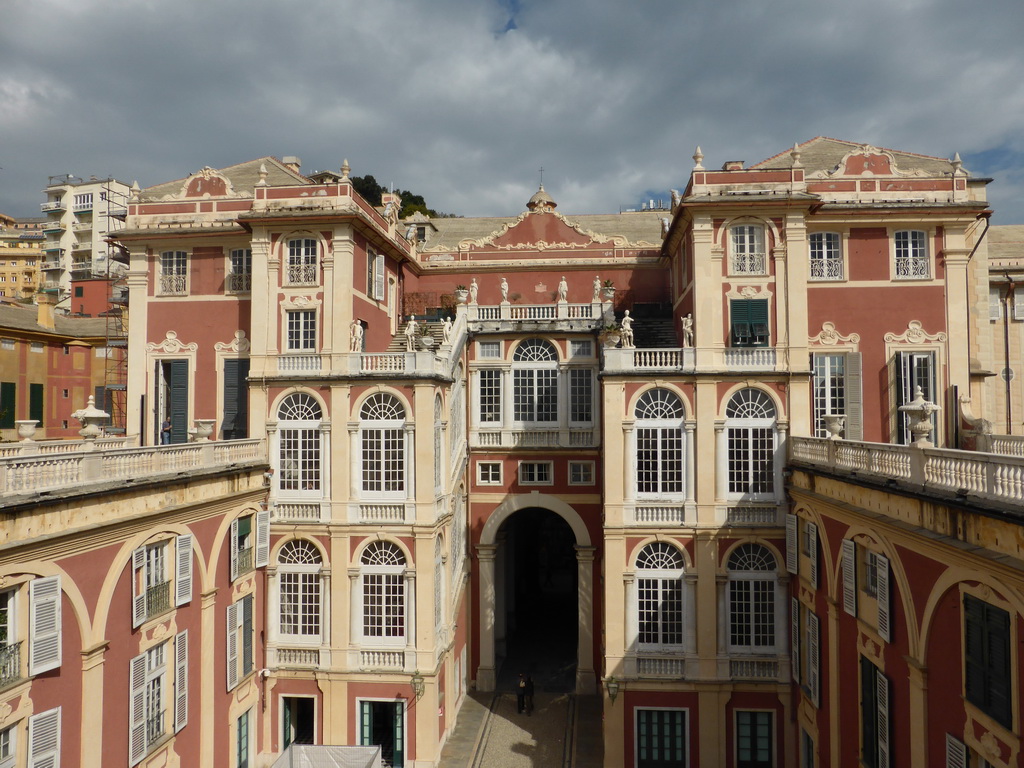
812, 537
849, 577
232, 645
792, 543
44, 625
35, 402
854, 429
138, 587
882, 569
813, 656
180, 680
882, 700
975, 688
262, 550
235, 423
178, 400
365, 723
794, 638
378, 277
137, 709
956, 753
1018, 304
8, 403
739, 321
44, 739
233, 543
998, 650
183, 569
247, 634
399, 734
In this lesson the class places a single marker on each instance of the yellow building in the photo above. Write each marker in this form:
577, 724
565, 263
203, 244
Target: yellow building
20, 256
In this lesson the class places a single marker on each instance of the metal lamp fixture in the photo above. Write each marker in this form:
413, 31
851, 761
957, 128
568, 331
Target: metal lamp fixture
417, 684
613, 688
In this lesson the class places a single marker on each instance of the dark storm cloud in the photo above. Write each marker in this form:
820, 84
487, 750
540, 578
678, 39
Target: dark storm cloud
463, 100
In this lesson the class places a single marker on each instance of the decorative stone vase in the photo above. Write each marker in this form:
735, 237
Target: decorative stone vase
920, 412
611, 339
834, 423
204, 428
461, 295
426, 342
90, 417
27, 429
608, 292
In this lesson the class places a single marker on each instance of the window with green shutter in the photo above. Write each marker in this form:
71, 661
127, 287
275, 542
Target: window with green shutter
235, 423
8, 399
987, 673
749, 322
35, 402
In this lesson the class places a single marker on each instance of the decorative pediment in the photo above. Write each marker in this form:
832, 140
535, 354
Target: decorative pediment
915, 334
238, 344
559, 233
171, 345
867, 161
207, 182
830, 337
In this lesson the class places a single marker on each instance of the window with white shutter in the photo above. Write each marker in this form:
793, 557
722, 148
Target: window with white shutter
180, 680
849, 577
151, 577
234, 619
183, 569
812, 551
813, 657
262, 539
884, 604
44, 625
794, 638
44, 739
956, 753
240, 641
138, 592
137, 710
882, 684
791, 543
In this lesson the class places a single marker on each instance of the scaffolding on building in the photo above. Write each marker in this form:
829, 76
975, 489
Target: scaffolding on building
115, 375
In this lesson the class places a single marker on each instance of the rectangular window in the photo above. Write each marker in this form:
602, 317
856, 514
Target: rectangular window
911, 255
581, 473
44, 739
837, 391
35, 402
535, 395
913, 370
7, 344
242, 734
807, 752
150, 698
581, 395
239, 277
826, 256
488, 472
301, 330
874, 711
374, 274
751, 455
83, 202
581, 348
661, 738
235, 423
8, 747
239, 644
988, 670
490, 396
748, 253
754, 747
10, 645
660, 612
489, 350
302, 262
173, 273
749, 322
535, 473
37, 346
752, 614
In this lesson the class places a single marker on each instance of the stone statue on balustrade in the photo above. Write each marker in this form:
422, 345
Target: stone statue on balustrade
626, 329
597, 288
688, 330
355, 336
411, 331
446, 331
504, 291
473, 290
563, 289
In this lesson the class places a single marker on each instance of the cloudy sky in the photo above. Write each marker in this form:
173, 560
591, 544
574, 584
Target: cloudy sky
463, 101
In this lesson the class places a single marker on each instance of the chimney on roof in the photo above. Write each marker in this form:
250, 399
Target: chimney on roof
292, 162
45, 303
733, 165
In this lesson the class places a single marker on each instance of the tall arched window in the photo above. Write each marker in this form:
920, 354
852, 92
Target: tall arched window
438, 446
750, 427
382, 433
660, 449
439, 590
753, 583
302, 261
535, 382
659, 596
299, 591
382, 573
299, 446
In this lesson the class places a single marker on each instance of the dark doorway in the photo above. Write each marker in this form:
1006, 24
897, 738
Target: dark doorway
383, 723
298, 715
541, 612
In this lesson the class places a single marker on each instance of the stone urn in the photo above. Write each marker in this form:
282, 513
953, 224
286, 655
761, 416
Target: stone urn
204, 428
608, 292
610, 337
27, 429
920, 413
462, 295
425, 342
834, 423
90, 417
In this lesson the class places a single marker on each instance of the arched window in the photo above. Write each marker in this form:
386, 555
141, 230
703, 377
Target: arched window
750, 428
299, 446
382, 433
659, 596
382, 573
299, 591
660, 449
302, 261
747, 250
535, 382
753, 584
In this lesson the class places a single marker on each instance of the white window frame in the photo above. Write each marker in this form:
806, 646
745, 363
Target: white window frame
375, 275
837, 389
258, 541
236, 636
531, 473
535, 386
152, 695
9, 747
385, 452
44, 739
582, 473
582, 388
301, 445
387, 585
309, 596
157, 564
826, 258
747, 581
911, 254
649, 437
172, 279
301, 328
239, 275
488, 350
489, 389
751, 435
662, 581
302, 261
45, 635
484, 470
581, 348
747, 249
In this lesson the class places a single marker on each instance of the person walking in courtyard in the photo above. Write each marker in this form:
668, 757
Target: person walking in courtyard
528, 689
521, 693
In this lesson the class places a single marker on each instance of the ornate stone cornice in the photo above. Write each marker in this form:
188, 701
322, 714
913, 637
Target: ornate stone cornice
171, 345
238, 344
828, 336
915, 334
866, 151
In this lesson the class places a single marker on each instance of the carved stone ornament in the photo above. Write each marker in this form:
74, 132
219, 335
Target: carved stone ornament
915, 334
990, 745
303, 302
748, 291
171, 346
861, 158
5, 711
616, 241
238, 344
206, 182
829, 336
160, 632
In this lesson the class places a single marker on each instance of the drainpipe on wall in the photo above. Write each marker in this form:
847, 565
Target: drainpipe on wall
1008, 305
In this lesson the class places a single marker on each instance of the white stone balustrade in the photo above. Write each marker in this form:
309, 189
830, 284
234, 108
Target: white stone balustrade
71, 471
965, 473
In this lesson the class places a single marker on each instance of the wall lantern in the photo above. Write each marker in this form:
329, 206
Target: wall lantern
417, 684
613, 688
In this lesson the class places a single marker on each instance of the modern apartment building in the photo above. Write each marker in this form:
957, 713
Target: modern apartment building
20, 257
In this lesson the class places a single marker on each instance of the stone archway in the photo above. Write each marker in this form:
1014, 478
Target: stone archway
486, 674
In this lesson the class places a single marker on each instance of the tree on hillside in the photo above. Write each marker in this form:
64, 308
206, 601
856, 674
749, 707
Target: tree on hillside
372, 192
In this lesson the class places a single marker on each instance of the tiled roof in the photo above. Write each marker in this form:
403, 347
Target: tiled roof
1006, 242
20, 317
243, 178
824, 154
